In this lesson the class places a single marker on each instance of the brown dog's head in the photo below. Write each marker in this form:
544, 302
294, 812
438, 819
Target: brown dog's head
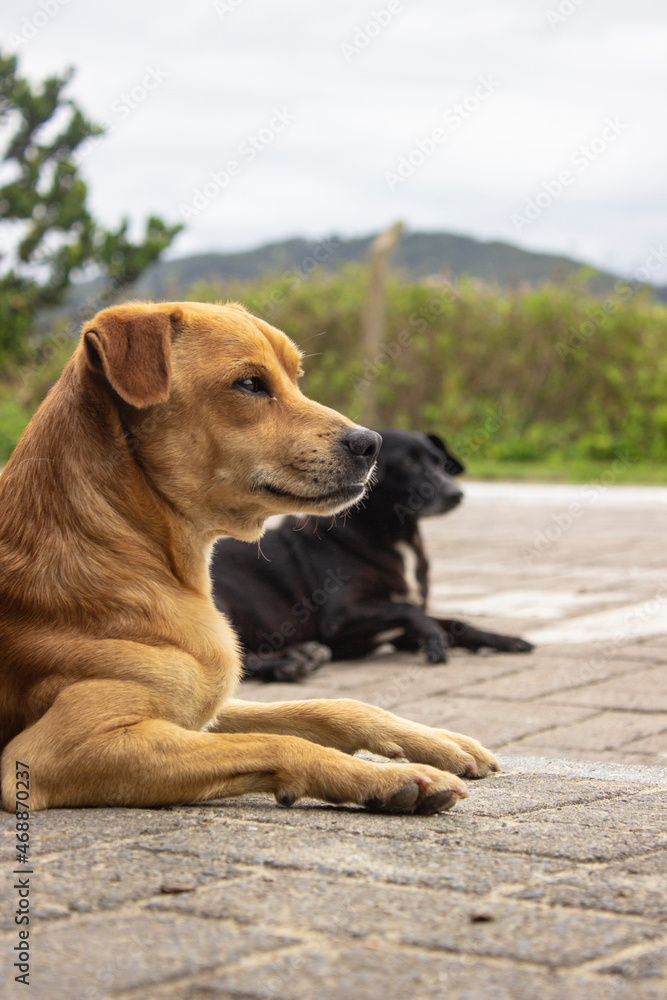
208, 401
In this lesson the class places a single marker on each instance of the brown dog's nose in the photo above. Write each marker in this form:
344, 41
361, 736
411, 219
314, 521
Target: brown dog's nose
363, 443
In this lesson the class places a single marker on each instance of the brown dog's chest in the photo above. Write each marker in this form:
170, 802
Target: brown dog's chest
215, 648
190, 657
200, 666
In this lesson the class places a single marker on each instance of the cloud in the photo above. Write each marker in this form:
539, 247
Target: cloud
227, 70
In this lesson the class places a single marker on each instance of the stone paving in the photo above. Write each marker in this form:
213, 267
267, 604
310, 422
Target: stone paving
548, 883
589, 589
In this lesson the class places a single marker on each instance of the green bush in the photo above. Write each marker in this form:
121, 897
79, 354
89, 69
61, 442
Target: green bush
549, 375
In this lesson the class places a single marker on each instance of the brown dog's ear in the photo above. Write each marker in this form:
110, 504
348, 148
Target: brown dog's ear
132, 350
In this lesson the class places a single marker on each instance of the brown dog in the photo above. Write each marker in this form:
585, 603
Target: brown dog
173, 424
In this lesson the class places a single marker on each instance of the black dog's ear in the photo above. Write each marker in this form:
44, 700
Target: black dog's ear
438, 442
453, 466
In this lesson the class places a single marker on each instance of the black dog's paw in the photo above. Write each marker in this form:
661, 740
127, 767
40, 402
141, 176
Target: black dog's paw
511, 644
290, 666
307, 658
435, 648
468, 637
521, 645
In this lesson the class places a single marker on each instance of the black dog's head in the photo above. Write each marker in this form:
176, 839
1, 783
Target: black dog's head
414, 478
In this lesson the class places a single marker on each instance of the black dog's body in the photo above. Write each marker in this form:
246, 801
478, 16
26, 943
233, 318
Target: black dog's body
346, 585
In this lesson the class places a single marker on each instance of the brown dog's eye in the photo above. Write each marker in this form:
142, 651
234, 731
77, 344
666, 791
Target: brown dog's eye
252, 384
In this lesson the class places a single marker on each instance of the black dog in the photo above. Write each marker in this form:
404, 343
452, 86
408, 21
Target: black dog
346, 584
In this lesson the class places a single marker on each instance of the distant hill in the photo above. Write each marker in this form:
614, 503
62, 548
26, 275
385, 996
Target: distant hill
419, 255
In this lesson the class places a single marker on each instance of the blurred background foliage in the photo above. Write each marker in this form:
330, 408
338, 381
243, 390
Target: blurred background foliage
547, 376
550, 381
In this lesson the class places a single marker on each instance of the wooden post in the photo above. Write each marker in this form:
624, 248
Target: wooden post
373, 318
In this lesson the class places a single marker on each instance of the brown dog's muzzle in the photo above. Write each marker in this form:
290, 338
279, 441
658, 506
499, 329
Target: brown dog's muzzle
333, 482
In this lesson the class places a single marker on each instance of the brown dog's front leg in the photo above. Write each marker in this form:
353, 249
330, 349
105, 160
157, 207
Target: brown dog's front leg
352, 725
82, 754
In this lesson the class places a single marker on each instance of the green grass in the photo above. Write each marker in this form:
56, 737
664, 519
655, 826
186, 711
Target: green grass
572, 471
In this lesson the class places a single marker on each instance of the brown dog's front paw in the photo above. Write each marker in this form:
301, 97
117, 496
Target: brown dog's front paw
423, 795
481, 762
330, 775
451, 752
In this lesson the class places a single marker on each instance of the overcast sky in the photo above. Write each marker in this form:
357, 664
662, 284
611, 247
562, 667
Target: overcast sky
539, 122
